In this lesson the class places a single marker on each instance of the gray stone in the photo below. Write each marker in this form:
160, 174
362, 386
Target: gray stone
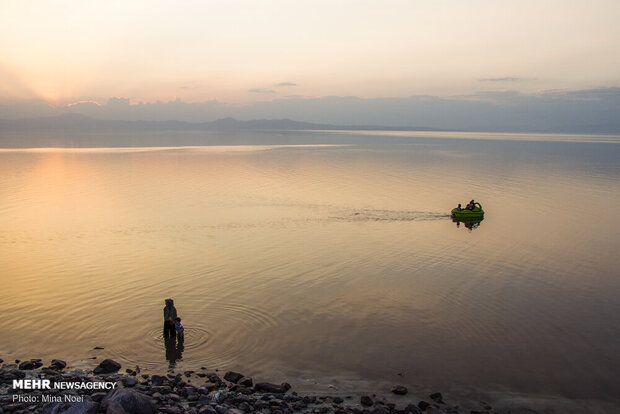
399, 390
214, 378
246, 382
32, 364
158, 380
412, 409
98, 396
82, 407
437, 397
126, 401
233, 377
269, 387
189, 390
58, 364
162, 389
366, 400
130, 381
107, 366
15, 406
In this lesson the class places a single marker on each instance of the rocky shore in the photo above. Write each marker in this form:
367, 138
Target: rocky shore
23, 389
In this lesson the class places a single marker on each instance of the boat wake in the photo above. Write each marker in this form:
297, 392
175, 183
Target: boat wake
389, 215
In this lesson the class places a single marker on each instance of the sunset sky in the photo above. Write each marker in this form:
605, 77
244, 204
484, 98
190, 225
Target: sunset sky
242, 52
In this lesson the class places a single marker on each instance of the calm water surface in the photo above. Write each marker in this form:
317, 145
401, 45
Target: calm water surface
328, 264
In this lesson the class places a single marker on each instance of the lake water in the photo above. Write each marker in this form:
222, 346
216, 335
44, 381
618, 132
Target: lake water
324, 259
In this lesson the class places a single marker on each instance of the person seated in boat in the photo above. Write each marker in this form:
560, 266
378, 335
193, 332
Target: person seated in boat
458, 208
470, 206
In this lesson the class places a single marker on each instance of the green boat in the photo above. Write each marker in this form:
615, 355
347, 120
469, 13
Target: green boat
477, 212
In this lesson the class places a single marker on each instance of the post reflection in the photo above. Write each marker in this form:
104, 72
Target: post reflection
174, 351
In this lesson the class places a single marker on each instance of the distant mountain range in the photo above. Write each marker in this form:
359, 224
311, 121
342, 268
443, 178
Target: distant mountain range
84, 123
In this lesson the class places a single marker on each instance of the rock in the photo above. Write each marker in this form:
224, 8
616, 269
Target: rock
399, 390
434, 410
82, 407
245, 407
32, 364
158, 380
58, 364
269, 387
130, 381
437, 397
423, 405
98, 347
233, 377
246, 382
107, 366
16, 374
98, 396
207, 409
49, 372
412, 409
214, 378
286, 385
338, 400
125, 401
380, 410
15, 407
365, 400
162, 389
189, 390
234, 411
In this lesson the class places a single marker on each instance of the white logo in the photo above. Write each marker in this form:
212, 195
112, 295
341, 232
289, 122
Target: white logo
32, 384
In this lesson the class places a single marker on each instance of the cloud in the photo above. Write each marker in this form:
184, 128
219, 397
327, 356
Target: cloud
297, 96
259, 90
286, 84
508, 96
595, 94
504, 79
118, 101
84, 102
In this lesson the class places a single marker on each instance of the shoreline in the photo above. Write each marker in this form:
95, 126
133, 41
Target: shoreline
109, 388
